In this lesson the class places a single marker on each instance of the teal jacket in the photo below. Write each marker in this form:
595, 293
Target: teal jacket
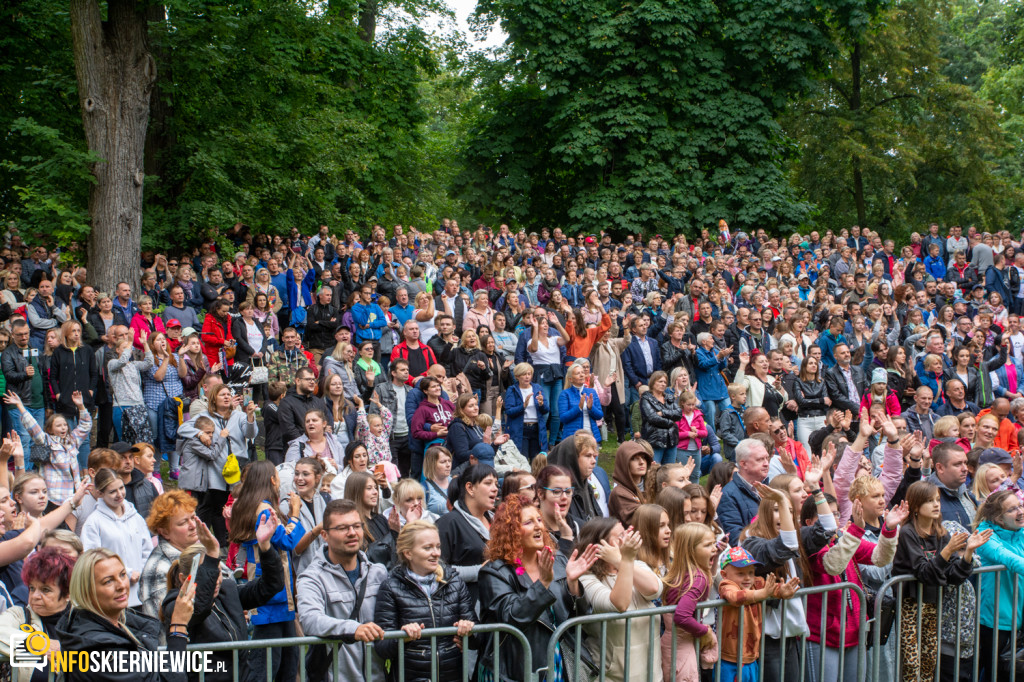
1007, 548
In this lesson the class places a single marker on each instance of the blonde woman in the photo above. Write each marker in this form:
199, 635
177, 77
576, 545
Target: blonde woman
420, 584
424, 316
100, 620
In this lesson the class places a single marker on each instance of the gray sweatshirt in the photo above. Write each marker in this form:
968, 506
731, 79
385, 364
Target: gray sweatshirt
126, 377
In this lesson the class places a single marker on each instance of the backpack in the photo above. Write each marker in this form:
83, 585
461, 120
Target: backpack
298, 320
1014, 280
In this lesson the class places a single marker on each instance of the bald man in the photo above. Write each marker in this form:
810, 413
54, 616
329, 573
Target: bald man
757, 420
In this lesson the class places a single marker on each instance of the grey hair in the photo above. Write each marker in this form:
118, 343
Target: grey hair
1016, 405
703, 336
745, 448
480, 293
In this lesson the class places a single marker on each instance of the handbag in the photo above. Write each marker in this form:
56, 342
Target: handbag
39, 453
886, 617
230, 347
231, 471
259, 375
1011, 657
135, 426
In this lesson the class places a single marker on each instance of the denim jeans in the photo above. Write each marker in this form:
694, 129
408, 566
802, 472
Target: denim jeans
284, 661
26, 440
117, 422
551, 390
684, 457
711, 409
665, 455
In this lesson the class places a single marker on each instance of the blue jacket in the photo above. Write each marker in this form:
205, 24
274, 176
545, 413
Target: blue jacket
1000, 388
710, 384
514, 411
1007, 548
276, 610
935, 267
361, 315
827, 343
994, 282
634, 363
737, 508
571, 415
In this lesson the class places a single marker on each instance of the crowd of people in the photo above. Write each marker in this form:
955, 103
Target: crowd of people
344, 436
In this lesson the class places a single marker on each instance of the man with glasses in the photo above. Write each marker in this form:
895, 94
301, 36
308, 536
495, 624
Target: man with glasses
789, 452
337, 595
20, 364
297, 403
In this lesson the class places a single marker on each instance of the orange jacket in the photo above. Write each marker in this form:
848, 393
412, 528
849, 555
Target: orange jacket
1007, 436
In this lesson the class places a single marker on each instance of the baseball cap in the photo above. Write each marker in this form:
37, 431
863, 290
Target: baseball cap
738, 557
450, 253
121, 448
188, 331
510, 280
995, 456
173, 323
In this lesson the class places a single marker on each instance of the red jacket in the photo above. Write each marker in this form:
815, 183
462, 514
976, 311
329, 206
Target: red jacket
402, 351
892, 403
698, 425
213, 337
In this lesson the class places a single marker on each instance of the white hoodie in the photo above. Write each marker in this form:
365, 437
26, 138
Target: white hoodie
127, 535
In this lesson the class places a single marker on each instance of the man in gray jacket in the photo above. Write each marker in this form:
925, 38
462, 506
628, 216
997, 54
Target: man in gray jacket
337, 592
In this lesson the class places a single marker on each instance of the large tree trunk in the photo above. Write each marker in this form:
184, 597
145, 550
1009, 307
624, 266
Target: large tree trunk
858, 176
368, 20
115, 73
159, 136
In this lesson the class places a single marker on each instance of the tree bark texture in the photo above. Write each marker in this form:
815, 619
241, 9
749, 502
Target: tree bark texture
115, 73
858, 176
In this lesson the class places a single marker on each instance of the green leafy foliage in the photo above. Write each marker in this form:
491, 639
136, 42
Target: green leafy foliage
925, 148
648, 115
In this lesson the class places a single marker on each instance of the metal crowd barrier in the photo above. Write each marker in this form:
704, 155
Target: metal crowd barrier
495, 630
654, 616
571, 637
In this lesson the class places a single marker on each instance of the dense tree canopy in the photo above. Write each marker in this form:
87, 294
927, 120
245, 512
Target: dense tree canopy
645, 116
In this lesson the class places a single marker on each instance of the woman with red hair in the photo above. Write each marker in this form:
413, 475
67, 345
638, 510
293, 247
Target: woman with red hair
529, 585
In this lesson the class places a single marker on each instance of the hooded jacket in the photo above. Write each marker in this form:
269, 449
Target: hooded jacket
127, 535
222, 618
584, 505
625, 496
325, 600
85, 631
401, 600
1005, 547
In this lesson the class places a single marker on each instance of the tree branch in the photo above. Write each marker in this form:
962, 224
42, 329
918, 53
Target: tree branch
886, 100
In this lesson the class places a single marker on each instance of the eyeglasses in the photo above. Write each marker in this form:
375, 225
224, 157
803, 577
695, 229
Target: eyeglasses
1013, 510
781, 429
558, 492
531, 487
173, 263
351, 528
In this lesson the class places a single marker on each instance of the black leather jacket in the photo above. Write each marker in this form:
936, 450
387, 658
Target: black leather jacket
661, 431
400, 601
528, 606
810, 398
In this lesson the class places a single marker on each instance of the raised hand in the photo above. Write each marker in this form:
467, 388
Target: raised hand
744, 359
630, 546
956, 543
857, 514
688, 468
76, 399
847, 420
581, 563
770, 581
788, 589
887, 428
828, 459
767, 492
813, 474
264, 532
546, 563
897, 516
716, 495
978, 538
208, 541
866, 428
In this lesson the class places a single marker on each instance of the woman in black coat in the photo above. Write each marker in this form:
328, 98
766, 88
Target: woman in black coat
220, 604
465, 530
422, 593
245, 351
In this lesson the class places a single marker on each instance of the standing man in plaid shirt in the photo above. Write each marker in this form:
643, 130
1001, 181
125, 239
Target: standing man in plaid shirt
281, 365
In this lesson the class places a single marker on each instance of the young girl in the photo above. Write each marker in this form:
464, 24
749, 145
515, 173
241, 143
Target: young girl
145, 461
617, 582
631, 466
374, 430
652, 523
254, 502
688, 582
926, 551
306, 483
60, 471
117, 526
880, 394
362, 489
692, 432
